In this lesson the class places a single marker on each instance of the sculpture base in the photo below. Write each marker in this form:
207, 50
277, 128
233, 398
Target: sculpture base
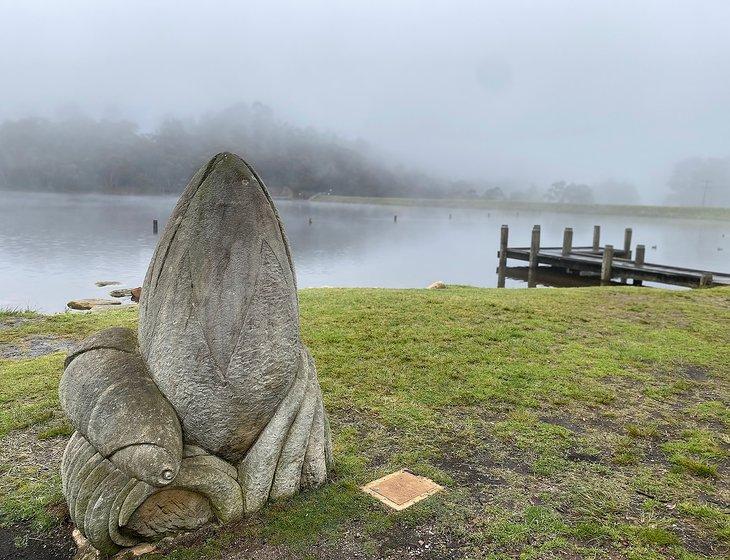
85, 551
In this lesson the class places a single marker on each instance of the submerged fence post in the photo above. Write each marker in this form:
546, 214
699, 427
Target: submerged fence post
596, 238
567, 241
606, 265
534, 250
639, 261
154, 227
503, 239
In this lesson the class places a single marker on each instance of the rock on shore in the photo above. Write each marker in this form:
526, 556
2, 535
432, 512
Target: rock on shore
86, 304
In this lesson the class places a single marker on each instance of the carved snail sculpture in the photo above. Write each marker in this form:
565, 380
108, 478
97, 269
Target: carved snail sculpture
215, 407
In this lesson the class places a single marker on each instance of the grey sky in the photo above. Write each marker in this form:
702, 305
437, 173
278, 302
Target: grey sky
539, 90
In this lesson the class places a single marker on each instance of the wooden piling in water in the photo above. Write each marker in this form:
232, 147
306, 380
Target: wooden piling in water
627, 250
596, 238
567, 241
503, 241
639, 261
606, 265
395, 218
534, 250
627, 242
706, 280
154, 227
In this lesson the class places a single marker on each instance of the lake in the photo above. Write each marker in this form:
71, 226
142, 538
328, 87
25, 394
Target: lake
53, 248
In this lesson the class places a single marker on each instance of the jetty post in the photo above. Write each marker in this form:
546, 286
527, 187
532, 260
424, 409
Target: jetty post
596, 238
534, 250
567, 241
639, 261
395, 218
503, 240
606, 265
627, 250
154, 227
627, 242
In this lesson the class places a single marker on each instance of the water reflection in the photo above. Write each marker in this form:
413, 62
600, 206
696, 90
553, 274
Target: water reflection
54, 247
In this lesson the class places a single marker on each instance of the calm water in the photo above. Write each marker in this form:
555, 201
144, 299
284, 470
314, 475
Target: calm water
53, 248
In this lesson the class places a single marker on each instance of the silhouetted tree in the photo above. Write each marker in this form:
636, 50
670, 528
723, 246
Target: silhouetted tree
700, 182
571, 193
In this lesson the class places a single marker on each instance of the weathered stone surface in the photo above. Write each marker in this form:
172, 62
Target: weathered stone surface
437, 286
121, 292
169, 511
86, 304
110, 398
219, 325
136, 293
102, 283
217, 408
114, 510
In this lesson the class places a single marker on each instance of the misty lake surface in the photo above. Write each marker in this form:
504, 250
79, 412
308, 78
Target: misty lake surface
53, 248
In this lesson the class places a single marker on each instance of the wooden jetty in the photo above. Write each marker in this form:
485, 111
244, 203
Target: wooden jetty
606, 262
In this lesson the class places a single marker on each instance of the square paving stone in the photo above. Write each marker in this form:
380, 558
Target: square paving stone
401, 489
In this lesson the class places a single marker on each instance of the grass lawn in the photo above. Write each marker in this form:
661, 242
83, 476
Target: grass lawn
571, 423
687, 212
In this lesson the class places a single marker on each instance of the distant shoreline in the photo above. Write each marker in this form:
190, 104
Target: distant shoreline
680, 212
645, 211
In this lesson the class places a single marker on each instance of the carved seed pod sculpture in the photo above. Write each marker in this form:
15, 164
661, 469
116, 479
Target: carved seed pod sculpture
217, 408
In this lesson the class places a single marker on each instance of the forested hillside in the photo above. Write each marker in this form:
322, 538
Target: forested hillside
81, 154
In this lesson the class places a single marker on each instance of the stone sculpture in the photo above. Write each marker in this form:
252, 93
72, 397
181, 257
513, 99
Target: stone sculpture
214, 406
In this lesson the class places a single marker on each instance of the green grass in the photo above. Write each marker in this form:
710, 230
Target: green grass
574, 423
687, 212
6, 312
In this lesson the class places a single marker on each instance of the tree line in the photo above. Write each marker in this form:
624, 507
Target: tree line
80, 154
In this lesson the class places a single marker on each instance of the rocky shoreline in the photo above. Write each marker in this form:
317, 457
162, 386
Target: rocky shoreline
96, 304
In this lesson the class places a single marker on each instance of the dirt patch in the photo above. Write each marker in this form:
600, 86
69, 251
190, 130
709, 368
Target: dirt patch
23, 449
473, 471
567, 423
695, 373
421, 542
12, 322
18, 543
35, 346
579, 457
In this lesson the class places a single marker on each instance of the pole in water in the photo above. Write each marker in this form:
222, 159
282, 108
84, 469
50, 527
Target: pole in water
627, 242
639, 261
606, 265
706, 280
154, 227
501, 271
449, 216
310, 221
627, 249
567, 241
596, 238
534, 250
395, 218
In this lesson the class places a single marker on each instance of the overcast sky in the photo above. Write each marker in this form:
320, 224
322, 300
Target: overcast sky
539, 90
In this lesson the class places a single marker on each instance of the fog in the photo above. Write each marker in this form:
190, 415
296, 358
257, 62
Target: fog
533, 92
